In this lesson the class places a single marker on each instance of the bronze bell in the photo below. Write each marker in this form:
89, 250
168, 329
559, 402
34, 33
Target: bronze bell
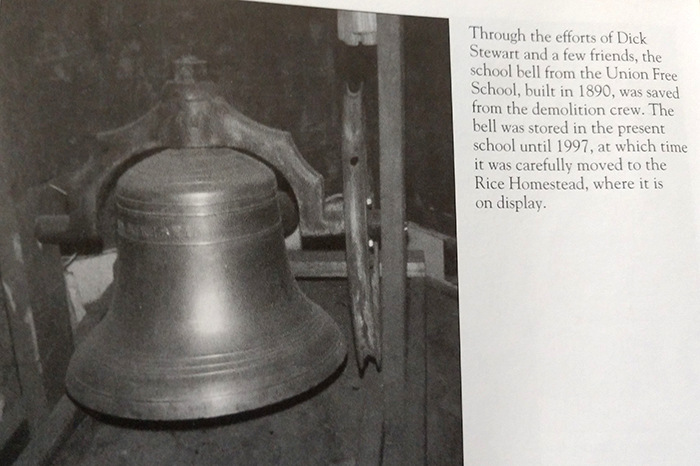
206, 318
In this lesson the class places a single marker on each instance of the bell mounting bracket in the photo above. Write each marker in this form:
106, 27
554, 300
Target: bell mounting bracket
191, 113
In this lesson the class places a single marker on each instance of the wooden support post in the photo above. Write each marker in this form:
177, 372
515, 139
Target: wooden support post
415, 421
393, 241
53, 433
12, 420
17, 296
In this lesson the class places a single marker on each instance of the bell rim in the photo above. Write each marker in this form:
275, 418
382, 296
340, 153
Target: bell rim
185, 409
278, 386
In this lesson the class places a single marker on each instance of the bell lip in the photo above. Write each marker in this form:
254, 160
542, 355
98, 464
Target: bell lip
224, 406
199, 421
189, 407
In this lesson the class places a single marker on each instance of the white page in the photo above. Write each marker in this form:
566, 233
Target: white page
579, 317
580, 322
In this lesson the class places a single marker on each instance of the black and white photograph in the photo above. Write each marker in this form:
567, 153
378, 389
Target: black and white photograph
228, 235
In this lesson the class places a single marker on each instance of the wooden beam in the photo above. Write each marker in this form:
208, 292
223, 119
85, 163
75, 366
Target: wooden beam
393, 240
16, 291
52, 434
12, 420
332, 264
415, 421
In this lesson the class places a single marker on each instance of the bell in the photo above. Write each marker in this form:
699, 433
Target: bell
206, 318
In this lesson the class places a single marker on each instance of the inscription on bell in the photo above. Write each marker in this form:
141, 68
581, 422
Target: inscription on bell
154, 232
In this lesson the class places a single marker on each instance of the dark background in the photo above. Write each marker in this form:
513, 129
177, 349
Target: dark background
76, 67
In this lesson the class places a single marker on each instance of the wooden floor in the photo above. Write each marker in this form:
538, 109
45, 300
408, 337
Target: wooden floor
444, 388
317, 429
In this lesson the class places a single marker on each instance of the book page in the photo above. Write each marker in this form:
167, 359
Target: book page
576, 147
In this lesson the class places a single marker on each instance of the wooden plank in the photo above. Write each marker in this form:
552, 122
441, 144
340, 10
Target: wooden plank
12, 420
48, 300
393, 240
52, 434
332, 264
17, 299
416, 445
433, 244
370, 437
445, 287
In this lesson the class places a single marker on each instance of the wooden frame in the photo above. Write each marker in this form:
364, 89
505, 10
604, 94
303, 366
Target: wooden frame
400, 387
